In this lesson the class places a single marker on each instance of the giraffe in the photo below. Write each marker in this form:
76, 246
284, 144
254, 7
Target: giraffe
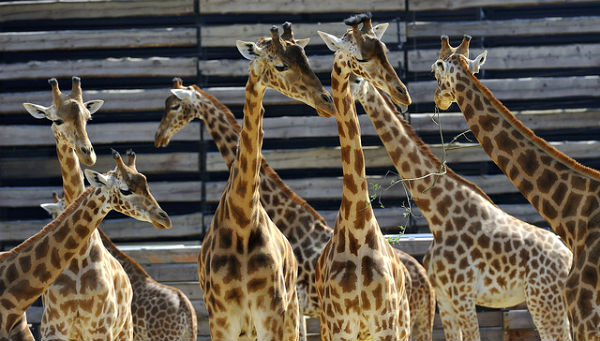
67, 303
306, 230
30, 268
246, 268
159, 311
360, 279
480, 254
562, 190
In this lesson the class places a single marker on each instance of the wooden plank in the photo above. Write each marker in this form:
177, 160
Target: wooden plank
97, 39
423, 5
513, 58
495, 28
57, 9
239, 67
133, 99
226, 35
184, 225
190, 289
521, 88
162, 191
111, 67
291, 127
173, 272
518, 319
102, 133
290, 6
47, 167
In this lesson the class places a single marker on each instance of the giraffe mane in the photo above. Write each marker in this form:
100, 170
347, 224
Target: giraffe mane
110, 245
427, 151
72, 207
270, 172
220, 106
527, 132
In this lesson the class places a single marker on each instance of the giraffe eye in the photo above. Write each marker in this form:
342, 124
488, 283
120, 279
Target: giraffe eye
281, 68
125, 191
362, 60
176, 106
58, 122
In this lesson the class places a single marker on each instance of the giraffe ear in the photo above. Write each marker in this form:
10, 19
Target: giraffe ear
333, 43
37, 111
249, 50
302, 42
182, 94
93, 105
96, 179
438, 67
380, 30
52, 208
476, 63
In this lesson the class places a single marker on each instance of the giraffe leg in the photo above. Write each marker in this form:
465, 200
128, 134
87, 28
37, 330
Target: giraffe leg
449, 322
464, 308
549, 314
422, 327
292, 321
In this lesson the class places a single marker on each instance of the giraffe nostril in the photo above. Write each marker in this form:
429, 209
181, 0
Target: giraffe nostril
326, 98
163, 215
400, 89
85, 150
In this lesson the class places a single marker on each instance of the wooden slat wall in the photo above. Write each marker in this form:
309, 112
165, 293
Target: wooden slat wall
542, 63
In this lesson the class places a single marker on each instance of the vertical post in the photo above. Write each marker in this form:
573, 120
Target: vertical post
202, 149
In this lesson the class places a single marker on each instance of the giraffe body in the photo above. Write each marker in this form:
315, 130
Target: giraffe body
247, 268
545, 264
360, 280
30, 268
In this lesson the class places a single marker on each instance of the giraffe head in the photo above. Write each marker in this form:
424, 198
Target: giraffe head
54, 208
183, 105
363, 51
447, 67
279, 62
69, 116
128, 192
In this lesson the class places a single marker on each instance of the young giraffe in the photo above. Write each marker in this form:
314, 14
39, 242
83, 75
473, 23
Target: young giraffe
421, 297
298, 221
247, 268
30, 268
480, 254
159, 312
360, 280
305, 229
563, 191
67, 303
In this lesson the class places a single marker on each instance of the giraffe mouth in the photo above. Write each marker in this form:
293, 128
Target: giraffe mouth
160, 140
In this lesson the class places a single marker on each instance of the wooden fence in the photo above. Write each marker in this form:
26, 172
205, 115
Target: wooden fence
542, 63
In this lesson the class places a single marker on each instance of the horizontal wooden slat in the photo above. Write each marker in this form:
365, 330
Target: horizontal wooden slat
226, 35
111, 67
500, 28
422, 5
105, 133
117, 229
96, 39
518, 319
239, 68
521, 88
53, 9
512, 58
290, 6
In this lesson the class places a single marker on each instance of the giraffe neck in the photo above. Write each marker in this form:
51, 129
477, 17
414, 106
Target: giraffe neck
355, 206
35, 264
411, 157
133, 269
244, 180
70, 168
222, 126
557, 186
